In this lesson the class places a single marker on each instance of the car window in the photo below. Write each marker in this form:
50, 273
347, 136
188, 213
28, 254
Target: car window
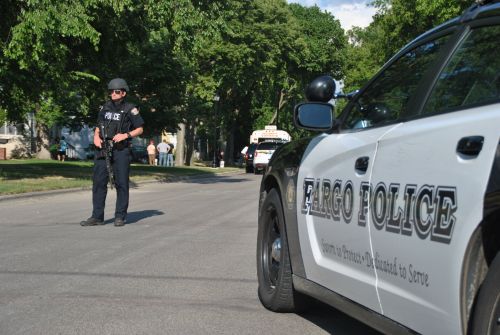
386, 99
267, 146
472, 76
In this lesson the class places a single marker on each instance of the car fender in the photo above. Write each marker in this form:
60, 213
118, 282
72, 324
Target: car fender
492, 195
282, 173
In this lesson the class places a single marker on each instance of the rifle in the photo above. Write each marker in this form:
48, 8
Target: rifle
108, 154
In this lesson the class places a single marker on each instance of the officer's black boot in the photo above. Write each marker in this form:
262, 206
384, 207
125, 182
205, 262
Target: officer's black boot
119, 222
91, 222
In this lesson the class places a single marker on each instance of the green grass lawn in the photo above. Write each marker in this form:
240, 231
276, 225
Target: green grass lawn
30, 175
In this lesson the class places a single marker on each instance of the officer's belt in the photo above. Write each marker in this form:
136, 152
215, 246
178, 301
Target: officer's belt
120, 145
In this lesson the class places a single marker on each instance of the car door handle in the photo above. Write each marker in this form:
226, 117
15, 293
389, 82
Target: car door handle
361, 164
470, 146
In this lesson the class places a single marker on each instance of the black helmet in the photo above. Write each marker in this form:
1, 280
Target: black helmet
118, 84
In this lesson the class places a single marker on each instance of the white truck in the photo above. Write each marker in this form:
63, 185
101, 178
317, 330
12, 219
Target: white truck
269, 133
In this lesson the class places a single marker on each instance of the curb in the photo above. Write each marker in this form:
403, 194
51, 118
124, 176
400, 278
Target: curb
172, 179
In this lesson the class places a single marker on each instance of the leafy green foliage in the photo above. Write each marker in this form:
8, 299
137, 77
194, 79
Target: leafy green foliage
176, 55
257, 56
396, 23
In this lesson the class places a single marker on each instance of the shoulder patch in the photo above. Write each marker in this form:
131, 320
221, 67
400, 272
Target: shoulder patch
134, 111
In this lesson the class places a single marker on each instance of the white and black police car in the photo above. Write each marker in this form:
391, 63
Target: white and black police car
392, 213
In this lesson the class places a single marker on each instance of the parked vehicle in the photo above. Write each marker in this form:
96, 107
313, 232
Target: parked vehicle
263, 154
392, 213
139, 154
268, 134
249, 157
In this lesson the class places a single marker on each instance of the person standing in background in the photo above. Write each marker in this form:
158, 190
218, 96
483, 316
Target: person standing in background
61, 151
151, 152
163, 149
170, 155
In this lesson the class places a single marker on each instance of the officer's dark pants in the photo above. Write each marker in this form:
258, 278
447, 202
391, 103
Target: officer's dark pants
121, 168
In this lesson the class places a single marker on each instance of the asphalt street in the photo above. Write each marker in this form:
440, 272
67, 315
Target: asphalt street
183, 264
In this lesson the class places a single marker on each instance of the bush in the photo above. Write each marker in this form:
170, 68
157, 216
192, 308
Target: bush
53, 150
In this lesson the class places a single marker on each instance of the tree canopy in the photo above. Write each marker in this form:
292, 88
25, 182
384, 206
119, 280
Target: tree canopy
178, 55
56, 57
396, 23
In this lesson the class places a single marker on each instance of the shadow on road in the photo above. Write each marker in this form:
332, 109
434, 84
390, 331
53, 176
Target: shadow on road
134, 217
216, 179
203, 179
334, 321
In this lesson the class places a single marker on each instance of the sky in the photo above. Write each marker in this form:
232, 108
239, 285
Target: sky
349, 12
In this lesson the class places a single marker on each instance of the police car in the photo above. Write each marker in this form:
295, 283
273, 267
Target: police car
392, 213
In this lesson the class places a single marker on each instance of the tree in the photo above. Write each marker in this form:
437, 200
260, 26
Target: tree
35, 57
56, 58
396, 23
267, 53
324, 53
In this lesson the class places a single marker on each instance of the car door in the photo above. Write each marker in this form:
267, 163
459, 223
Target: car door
429, 180
332, 228
334, 225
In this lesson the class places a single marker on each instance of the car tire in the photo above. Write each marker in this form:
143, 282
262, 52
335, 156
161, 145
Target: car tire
486, 318
274, 270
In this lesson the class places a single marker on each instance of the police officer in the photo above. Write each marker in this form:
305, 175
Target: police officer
121, 122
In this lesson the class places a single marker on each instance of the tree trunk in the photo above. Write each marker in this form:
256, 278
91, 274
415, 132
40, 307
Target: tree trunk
42, 141
281, 102
204, 156
230, 144
190, 136
180, 150
43, 144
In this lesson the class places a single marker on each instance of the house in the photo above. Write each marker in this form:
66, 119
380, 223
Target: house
11, 139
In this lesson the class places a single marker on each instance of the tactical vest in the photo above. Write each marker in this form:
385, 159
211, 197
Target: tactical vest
116, 117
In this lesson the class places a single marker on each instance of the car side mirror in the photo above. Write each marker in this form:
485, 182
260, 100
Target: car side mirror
316, 116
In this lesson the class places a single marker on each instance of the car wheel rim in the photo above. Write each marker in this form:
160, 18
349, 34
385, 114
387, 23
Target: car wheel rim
276, 250
272, 248
495, 326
